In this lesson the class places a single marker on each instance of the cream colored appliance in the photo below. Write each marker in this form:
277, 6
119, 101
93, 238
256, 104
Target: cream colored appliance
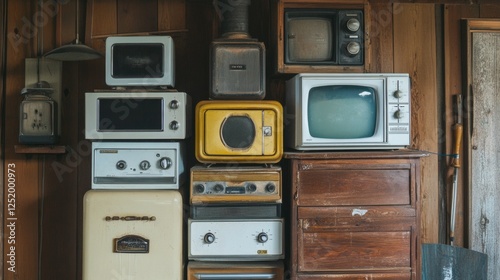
133, 235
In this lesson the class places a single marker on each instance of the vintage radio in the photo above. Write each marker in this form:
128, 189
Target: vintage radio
239, 131
272, 270
237, 69
235, 240
124, 115
137, 165
242, 184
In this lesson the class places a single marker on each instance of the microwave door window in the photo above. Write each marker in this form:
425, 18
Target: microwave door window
342, 112
141, 114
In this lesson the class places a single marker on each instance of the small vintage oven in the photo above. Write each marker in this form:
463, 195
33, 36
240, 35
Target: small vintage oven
272, 270
239, 131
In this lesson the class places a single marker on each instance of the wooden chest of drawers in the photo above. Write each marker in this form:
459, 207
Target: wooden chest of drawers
354, 215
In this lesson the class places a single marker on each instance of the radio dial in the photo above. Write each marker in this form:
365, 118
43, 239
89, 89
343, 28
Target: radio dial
270, 188
174, 104
251, 187
353, 48
144, 165
262, 237
199, 188
398, 94
218, 188
209, 238
398, 114
121, 165
353, 25
165, 163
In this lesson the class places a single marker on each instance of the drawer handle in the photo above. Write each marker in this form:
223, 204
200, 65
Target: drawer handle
129, 218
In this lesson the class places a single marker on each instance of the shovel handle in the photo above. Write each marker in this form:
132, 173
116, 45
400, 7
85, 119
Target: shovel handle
457, 136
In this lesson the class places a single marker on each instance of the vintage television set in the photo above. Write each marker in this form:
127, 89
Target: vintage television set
140, 61
347, 111
238, 131
320, 37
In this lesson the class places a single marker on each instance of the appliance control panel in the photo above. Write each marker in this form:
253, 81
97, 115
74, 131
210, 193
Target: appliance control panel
398, 91
136, 165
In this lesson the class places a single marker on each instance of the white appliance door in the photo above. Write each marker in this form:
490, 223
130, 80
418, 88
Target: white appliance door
132, 235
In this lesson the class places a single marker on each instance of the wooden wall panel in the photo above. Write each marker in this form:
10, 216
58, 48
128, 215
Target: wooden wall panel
415, 53
453, 85
381, 43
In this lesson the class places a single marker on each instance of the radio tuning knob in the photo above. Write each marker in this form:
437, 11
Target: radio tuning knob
144, 165
218, 188
209, 238
251, 187
398, 114
353, 48
174, 104
199, 188
174, 125
398, 93
165, 163
121, 165
270, 188
262, 237
353, 24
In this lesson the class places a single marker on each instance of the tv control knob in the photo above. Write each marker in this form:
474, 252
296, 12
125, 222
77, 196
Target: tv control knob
218, 188
353, 48
144, 165
174, 104
251, 187
398, 94
174, 125
398, 114
199, 188
262, 237
165, 163
353, 25
209, 238
270, 188
121, 165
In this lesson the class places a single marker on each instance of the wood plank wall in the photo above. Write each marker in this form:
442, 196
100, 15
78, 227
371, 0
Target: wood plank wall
403, 39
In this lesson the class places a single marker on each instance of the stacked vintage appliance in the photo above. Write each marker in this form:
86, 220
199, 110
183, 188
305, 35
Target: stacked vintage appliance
235, 229
133, 214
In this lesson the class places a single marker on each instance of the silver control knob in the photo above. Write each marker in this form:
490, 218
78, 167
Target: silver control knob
353, 48
209, 238
353, 24
218, 188
199, 188
398, 94
144, 165
262, 237
270, 188
398, 114
121, 165
174, 125
174, 104
251, 187
165, 163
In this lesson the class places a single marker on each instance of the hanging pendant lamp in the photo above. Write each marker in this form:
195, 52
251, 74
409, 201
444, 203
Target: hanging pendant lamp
75, 51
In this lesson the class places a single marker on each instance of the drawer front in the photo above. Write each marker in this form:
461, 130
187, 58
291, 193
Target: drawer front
341, 187
358, 276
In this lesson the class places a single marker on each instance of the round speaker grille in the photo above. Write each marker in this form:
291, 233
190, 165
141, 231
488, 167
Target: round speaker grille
238, 132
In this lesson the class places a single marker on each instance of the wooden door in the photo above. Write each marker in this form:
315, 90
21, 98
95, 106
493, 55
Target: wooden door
484, 139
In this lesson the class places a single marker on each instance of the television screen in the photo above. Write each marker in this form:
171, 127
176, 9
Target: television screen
138, 60
342, 112
310, 39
